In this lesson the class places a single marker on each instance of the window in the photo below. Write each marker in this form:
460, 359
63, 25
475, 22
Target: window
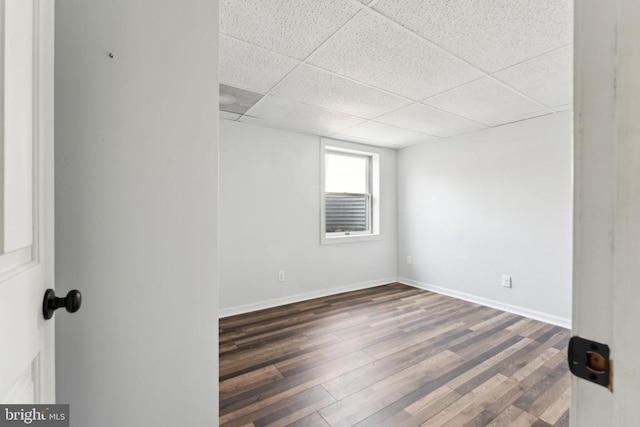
350, 194
347, 193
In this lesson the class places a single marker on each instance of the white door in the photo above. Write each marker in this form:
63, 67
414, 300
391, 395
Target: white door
607, 206
136, 217
26, 194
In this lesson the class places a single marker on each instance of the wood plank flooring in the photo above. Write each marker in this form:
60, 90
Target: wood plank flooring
391, 356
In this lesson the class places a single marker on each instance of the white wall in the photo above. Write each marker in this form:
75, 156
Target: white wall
270, 221
493, 202
136, 206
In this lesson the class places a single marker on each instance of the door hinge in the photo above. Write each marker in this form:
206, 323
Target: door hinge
590, 360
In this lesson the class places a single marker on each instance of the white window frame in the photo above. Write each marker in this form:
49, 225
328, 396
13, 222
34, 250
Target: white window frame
332, 145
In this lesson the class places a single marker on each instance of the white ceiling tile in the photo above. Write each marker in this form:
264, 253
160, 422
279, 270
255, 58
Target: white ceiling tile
522, 117
250, 67
373, 50
547, 78
380, 134
318, 87
283, 126
295, 115
485, 101
428, 120
564, 107
491, 34
229, 116
293, 28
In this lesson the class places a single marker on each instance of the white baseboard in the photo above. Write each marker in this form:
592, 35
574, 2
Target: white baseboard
521, 311
247, 308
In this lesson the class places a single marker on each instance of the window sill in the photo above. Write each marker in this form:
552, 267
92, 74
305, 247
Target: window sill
350, 239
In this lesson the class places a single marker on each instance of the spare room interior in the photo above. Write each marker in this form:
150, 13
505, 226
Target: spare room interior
395, 224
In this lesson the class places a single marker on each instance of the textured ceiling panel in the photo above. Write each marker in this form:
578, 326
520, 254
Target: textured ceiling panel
229, 116
485, 101
359, 58
428, 120
294, 115
547, 78
372, 50
317, 87
284, 126
293, 28
249, 67
491, 34
564, 107
524, 117
383, 135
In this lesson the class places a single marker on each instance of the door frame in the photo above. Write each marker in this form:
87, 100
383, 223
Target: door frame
607, 204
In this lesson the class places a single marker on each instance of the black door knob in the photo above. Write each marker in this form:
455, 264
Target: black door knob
51, 303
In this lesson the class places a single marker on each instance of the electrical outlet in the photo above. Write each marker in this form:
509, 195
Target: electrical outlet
506, 281
281, 276
409, 259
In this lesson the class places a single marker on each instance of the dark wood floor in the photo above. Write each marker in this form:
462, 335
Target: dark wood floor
391, 355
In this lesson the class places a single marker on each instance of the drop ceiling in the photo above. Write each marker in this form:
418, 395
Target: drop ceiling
394, 73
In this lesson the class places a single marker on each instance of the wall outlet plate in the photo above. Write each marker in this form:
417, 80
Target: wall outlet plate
281, 277
506, 281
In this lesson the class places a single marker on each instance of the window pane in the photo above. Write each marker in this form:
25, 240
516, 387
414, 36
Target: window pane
346, 174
